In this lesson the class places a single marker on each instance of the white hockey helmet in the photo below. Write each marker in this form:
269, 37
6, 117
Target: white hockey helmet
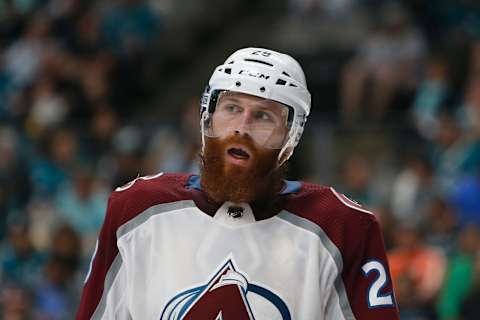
266, 74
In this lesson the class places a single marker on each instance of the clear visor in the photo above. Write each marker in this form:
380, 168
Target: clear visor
265, 121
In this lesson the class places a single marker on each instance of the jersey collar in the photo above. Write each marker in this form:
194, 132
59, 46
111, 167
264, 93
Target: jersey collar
288, 188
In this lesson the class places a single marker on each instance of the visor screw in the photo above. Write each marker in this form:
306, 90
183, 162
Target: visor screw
262, 89
238, 84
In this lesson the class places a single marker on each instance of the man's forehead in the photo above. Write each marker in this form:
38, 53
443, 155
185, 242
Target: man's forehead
249, 99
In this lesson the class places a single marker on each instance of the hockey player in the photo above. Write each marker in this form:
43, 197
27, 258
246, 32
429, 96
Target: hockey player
239, 241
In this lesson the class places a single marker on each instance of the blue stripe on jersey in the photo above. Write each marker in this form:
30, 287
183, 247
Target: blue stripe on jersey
273, 298
290, 186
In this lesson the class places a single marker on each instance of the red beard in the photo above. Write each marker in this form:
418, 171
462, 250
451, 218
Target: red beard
260, 181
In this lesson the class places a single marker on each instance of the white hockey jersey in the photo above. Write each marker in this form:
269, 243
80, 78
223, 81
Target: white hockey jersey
165, 253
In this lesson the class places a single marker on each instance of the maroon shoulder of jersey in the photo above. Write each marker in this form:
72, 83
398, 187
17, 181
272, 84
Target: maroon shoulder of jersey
144, 192
356, 233
124, 204
343, 224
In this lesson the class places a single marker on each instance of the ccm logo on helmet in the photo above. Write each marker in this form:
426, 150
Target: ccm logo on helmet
253, 74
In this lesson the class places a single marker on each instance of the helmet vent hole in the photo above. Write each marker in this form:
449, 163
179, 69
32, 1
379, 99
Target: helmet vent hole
262, 89
281, 82
292, 85
238, 83
228, 70
259, 61
286, 74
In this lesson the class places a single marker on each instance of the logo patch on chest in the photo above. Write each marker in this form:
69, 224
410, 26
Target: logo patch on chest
226, 296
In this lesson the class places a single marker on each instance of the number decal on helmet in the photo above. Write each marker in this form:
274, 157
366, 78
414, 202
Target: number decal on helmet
261, 53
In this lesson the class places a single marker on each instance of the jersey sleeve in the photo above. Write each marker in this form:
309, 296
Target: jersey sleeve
107, 290
103, 295
367, 279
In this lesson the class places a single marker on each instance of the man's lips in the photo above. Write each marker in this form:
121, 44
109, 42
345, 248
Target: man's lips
238, 153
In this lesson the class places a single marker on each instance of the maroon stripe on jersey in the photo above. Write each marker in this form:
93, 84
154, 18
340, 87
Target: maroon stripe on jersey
123, 206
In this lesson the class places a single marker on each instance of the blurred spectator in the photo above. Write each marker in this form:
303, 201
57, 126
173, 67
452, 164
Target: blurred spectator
190, 126
388, 224
82, 203
87, 34
440, 225
434, 94
50, 170
325, 8
65, 15
166, 153
103, 126
356, 174
412, 189
5, 90
15, 184
48, 110
416, 268
410, 307
173, 150
460, 277
66, 244
53, 299
431, 94
471, 307
453, 154
475, 58
468, 113
466, 199
190, 119
20, 262
388, 59
24, 57
15, 302
455, 16
128, 150
21, 7
42, 216
95, 77
129, 26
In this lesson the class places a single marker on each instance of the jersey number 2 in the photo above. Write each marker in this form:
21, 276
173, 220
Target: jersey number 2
375, 298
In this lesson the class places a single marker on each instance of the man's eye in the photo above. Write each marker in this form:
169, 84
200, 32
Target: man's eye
263, 116
232, 108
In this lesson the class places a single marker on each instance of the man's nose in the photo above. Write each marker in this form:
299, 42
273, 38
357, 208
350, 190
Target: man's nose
244, 125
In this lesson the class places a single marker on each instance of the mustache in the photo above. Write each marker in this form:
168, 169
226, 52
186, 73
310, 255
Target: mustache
240, 139
234, 138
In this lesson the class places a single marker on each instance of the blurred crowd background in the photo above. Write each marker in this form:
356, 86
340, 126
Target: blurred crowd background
95, 93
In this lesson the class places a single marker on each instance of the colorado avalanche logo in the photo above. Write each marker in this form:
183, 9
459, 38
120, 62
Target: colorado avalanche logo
225, 297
